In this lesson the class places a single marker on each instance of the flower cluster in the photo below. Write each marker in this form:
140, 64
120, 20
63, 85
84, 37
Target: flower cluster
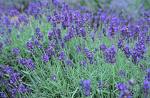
146, 83
110, 54
124, 91
28, 63
11, 82
138, 51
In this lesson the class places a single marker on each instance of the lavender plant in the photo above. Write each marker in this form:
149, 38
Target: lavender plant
54, 50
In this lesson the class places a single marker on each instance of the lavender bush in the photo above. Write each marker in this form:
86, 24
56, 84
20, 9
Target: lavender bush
53, 49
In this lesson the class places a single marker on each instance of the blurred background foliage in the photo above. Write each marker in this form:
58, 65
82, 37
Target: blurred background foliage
128, 6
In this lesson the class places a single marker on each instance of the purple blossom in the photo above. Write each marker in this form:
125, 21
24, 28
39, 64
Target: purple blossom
121, 86
13, 92
22, 88
34, 9
50, 35
138, 51
50, 50
14, 12
86, 86
124, 91
16, 51
82, 32
125, 94
10, 82
127, 51
23, 18
61, 55
36, 42
69, 62
78, 48
110, 55
89, 55
8, 70
3, 95
120, 43
55, 2
14, 78
30, 45
28, 63
148, 74
68, 36
103, 47
38, 34
146, 87
45, 57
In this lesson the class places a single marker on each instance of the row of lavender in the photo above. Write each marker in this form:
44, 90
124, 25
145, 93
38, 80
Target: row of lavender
128, 35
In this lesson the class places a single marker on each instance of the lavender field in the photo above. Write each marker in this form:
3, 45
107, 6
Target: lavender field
74, 49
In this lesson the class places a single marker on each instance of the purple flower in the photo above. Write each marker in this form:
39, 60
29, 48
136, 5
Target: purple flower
14, 12
57, 34
8, 70
30, 45
124, 91
69, 62
89, 55
14, 78
148, 74
55, 2
36, 42
38, 34
121, 86
37, 29
22, 88
61, 55
86, 86
68, 36
28, 63
138, 51
50, 35
3, 95
50, 50
103, 47
146, 86
82, 32
23, 18
13, 92
34, 9
125, 94
127, 51
120, 43
16, 51
110, 55
45, 57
